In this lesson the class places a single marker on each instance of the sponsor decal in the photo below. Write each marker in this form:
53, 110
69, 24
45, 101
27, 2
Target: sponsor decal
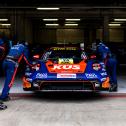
41, 75
91, 75
15, 47
66, 75
104, 73
66, 67
62, 48
103, 69
65, 61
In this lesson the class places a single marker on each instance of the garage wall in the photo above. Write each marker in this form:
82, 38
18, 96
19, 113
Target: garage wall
5, 31
45, 36
99, 34
49, 36
115, 34
67, 35
70, 35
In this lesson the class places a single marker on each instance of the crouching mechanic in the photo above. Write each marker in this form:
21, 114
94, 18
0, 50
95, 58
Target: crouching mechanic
10, 65
104, 54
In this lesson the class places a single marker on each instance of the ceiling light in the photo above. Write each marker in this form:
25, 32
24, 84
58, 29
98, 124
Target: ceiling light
120, 19
114, 24
50, 19
5, 24
47, 8
72, 19
71, 24
51, 24
3, 19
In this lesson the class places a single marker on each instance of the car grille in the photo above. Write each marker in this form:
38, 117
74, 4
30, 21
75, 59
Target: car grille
66, 85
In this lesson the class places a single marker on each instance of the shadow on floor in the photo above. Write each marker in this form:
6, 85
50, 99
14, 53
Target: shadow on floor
60, 96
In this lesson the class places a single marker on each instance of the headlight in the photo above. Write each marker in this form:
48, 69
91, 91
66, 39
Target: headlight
97, 85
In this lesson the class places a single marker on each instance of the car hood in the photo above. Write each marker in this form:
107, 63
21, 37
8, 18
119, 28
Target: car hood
66, 68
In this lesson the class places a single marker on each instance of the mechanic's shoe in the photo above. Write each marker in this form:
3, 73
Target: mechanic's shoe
6, 98
113, 88
2, 106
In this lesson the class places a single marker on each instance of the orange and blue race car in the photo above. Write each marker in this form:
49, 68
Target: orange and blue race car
66, 69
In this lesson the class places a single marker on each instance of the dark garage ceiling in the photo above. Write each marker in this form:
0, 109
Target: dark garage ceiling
5, 3
91, 12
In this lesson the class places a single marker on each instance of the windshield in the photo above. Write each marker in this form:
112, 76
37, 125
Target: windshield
54, 55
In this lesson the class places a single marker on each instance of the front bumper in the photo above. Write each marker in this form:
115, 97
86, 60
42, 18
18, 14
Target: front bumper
89, 86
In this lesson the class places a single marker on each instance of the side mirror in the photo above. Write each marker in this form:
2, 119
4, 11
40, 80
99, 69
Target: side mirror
93, 57
36, 56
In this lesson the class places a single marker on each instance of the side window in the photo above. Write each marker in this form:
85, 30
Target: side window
46, 55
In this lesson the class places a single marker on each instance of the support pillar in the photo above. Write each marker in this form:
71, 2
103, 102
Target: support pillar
106, 29
86, 36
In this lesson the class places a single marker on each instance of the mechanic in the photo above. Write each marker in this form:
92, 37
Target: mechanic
2, 48
10, 65
104, 54
5, 45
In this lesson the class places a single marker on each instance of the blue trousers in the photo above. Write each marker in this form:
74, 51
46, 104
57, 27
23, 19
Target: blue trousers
9, 68
111, 66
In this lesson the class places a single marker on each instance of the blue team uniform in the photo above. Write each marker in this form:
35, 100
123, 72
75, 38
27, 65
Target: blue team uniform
2, 54
10, 65
2, 49
106, 57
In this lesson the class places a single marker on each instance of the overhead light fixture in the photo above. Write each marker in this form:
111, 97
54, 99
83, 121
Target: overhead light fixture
5, 24
72, 19
3, 19
51, 24
114, 24
71, 24
48, 8
50, 19
119, 19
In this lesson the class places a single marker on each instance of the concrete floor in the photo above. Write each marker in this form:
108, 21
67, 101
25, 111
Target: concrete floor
65, 109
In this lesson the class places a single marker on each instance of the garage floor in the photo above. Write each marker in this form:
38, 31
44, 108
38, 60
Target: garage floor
65, 109
77, 110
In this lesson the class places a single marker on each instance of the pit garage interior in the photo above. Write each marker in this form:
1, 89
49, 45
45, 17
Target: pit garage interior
48, 23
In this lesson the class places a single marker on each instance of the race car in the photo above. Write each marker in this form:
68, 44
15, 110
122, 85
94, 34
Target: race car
66, 69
